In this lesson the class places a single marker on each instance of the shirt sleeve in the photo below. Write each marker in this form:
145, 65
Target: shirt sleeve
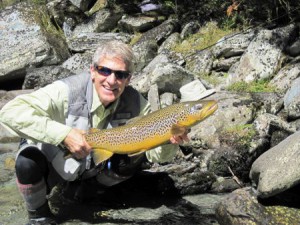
38, 116
163, 153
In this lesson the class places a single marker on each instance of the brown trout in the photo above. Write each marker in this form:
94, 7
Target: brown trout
148, 131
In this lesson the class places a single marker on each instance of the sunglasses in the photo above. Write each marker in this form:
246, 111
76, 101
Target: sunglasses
104, 71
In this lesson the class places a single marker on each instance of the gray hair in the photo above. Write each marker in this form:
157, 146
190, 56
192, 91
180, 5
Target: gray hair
117, 49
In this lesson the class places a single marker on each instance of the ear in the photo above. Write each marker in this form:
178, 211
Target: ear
92, 72
128, 80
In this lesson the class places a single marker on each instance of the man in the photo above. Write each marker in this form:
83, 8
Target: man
53, 119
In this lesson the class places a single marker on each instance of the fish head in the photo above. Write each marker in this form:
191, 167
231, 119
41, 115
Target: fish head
200, 110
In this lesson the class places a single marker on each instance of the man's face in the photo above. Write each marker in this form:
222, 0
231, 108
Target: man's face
109, 88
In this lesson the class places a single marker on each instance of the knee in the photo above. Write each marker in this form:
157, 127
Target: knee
30, 168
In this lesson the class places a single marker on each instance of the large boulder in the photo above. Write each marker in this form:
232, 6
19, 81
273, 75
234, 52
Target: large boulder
26, 31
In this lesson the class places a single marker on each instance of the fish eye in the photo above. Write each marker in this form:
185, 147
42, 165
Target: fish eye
197, 107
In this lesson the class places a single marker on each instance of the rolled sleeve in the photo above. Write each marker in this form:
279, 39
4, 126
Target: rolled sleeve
40, 115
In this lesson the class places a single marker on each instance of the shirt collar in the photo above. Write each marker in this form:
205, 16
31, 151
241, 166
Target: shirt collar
97, 103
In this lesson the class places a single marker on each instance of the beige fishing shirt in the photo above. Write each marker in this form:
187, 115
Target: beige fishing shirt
40, 117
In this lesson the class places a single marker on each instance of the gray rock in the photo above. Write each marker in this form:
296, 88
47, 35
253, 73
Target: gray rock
64, 11
170, 77
201, 62
160, 33
170, 42
81, 4
277, 169
292, 100
233, 45
153, 98
242, 207
189, 29
130, 24
79, 62
284, 78
261, 59
89, 41
103, 20
144, 52
35, 77
294, 48
22, 34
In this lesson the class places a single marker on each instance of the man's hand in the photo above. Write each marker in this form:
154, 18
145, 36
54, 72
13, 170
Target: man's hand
180, 139
77, 144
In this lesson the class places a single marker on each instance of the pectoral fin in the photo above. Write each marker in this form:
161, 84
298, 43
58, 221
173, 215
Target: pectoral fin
177, 130
100, 155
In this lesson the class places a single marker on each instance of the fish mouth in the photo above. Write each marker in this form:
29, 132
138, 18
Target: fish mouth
211, 108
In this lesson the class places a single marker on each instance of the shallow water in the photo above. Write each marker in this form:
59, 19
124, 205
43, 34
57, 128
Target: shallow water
128, 203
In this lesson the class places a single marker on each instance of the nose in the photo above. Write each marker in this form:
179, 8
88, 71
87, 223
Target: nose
111, 79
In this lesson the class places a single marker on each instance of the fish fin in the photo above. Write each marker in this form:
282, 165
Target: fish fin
100, 155
93, 144
137, 153
177, 129
134, 119
93, 130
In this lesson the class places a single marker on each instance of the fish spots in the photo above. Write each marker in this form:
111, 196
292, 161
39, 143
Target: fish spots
151, 130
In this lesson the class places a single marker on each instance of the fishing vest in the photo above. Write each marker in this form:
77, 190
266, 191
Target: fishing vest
80, 92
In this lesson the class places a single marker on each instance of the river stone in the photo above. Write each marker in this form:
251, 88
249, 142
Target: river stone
278, 169
22, 35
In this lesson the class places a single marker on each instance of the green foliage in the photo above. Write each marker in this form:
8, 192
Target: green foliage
255, 86
205, 37
239, 135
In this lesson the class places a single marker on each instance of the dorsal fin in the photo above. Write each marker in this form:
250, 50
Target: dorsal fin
93, 130
134, 119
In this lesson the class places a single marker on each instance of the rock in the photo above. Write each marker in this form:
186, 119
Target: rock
89, 41
267, 125
170, 42
35, 76
79, 62
284, 78
81, 4
64, 11
103, 20
153, 98
160, 33
233, 45
277, 169
189, 29
170, 77
292, 100
294, 48
241, 207
130, 24
201, 62
23, 34
144, 52
261, 59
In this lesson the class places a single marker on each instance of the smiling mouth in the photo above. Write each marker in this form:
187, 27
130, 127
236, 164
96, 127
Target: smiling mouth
109, 89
